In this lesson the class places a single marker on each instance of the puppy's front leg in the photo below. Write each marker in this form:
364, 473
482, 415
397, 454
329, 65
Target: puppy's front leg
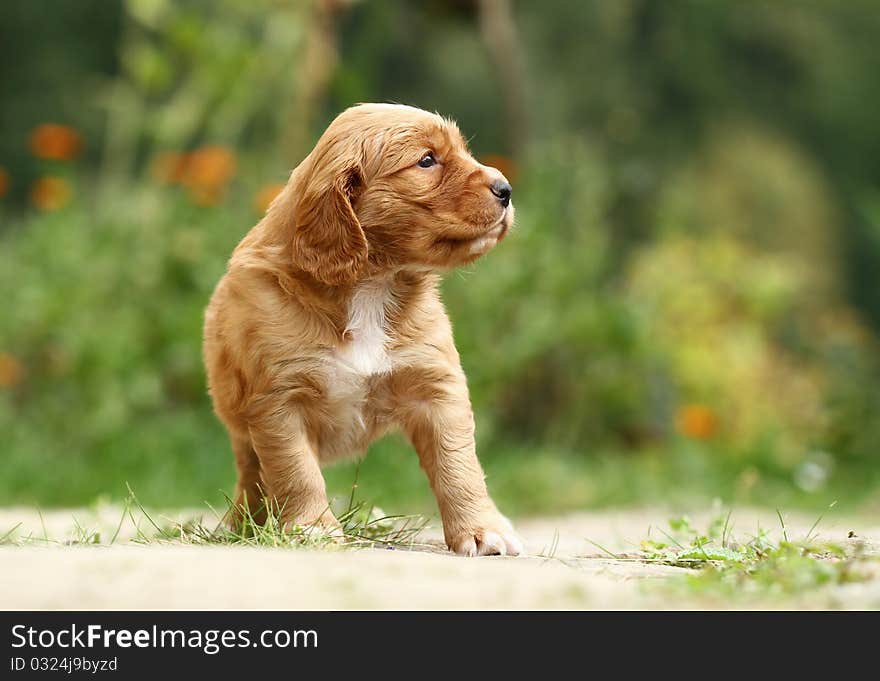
291, 474
440, 424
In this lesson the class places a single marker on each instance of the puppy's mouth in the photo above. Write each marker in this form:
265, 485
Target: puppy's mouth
490, 236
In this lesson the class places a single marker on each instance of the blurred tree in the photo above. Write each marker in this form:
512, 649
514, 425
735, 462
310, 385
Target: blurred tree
498, 28
649, 81
314, 74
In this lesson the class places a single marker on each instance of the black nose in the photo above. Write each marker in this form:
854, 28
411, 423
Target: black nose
503, 190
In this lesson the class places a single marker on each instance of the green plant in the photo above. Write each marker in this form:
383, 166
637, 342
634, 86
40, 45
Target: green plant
720, 564
363, 526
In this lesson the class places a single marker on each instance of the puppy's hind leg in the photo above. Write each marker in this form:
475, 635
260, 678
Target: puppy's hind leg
249, 501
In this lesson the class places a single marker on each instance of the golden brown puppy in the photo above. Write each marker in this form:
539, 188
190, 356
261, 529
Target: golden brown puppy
327, 329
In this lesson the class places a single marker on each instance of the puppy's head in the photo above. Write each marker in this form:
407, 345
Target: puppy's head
393, 187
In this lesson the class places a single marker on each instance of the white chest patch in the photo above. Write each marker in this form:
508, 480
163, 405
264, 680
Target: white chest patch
364, 352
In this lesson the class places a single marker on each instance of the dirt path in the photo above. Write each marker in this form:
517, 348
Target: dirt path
563, 569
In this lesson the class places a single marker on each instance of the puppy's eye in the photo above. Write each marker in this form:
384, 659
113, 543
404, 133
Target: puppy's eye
427, 161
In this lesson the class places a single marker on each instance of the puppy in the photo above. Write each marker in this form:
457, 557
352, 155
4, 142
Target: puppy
327, 329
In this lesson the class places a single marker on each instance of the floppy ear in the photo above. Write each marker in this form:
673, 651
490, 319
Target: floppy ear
328, 241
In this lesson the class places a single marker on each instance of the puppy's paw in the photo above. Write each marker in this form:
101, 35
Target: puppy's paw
324, 527
492, 536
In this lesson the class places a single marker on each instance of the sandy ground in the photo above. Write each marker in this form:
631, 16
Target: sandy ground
563, 569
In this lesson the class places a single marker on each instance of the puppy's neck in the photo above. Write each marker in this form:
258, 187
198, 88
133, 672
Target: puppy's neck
369, 303
382, 301
374, 305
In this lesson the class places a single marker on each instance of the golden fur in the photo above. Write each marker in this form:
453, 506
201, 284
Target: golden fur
327, 329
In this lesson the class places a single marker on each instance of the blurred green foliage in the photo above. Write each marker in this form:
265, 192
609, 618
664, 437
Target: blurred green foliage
687, 306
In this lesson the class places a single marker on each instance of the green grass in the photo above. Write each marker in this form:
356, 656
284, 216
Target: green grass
720, 565
363, 525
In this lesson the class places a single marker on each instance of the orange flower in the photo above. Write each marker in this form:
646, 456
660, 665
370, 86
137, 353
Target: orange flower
503, 163
55, 142
266, 195
209, 167
50, 193
168, 167
4, 182
204, 172
696, 421
11, 371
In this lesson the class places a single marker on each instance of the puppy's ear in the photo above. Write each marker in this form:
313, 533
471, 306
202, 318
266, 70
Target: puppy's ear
328, 241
